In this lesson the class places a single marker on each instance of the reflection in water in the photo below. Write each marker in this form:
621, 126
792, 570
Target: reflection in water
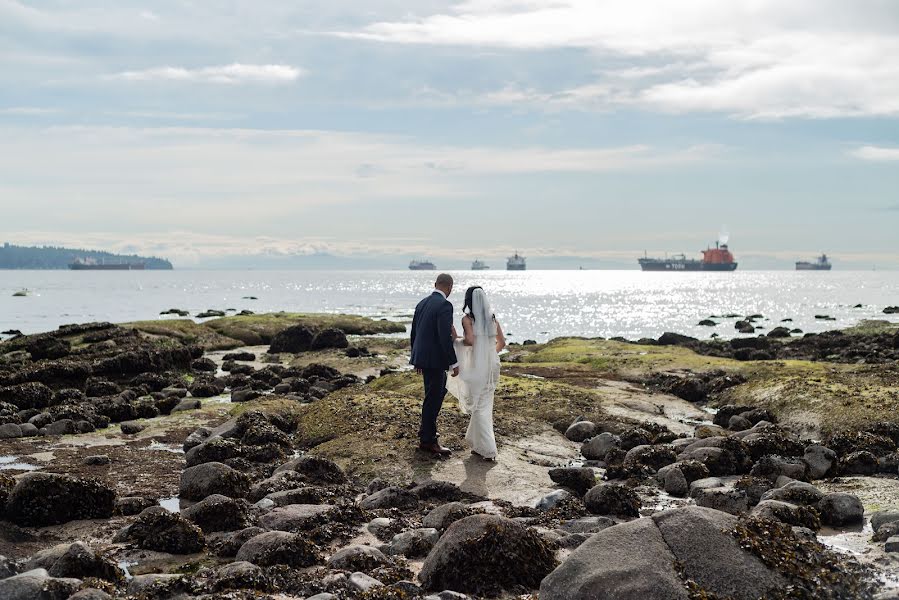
476, 470
172, 504
12, 463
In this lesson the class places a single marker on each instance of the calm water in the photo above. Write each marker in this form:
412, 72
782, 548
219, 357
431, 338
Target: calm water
531, 305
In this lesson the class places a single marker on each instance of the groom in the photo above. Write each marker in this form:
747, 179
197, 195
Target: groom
432, 356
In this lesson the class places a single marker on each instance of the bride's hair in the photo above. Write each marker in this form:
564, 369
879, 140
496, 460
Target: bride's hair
469, 297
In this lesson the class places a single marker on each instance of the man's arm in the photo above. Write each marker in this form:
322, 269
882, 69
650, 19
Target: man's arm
414, 325
445, 333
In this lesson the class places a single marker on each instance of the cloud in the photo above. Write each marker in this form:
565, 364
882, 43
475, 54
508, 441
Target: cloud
746, 58
29, 111
235, 73
876, 153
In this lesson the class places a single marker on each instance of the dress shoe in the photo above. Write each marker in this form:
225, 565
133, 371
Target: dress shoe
435, 448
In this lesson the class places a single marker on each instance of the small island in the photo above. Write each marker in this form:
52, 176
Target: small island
51, 257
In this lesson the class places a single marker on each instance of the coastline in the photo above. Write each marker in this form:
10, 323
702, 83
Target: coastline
352, 401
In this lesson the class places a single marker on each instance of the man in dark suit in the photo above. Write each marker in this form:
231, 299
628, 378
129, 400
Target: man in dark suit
433, 355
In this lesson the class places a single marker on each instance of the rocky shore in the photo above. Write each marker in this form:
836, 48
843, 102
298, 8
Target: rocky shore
273, 456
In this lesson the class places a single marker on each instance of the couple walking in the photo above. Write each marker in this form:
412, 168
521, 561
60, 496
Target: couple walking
472, 360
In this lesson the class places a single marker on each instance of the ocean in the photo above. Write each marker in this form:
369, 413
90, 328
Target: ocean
537, 305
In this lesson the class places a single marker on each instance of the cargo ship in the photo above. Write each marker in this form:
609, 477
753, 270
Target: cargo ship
479, 266
92, 265
516, 263
821, 264
718, 258
421, 265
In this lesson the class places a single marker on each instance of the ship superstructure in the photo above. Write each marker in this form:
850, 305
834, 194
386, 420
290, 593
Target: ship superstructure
516, 263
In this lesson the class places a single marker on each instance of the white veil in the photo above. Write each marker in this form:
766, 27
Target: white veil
478, 363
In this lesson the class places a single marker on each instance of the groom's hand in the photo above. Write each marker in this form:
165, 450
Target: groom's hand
456, 372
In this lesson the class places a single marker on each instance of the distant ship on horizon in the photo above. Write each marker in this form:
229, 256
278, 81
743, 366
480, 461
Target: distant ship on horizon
516, 263
718, 258
820, 264
88, 264
479, 265
421, 265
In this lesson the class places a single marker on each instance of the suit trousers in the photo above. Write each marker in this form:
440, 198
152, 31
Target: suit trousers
435, 391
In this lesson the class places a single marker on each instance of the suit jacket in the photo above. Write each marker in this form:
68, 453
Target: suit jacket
432, 338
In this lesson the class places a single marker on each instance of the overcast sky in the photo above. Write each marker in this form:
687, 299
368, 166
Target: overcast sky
384, 130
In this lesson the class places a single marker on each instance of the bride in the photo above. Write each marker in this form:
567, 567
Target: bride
478, 352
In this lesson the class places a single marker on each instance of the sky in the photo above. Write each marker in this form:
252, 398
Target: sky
578, 132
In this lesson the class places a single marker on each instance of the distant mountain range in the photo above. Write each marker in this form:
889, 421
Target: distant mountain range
49, 257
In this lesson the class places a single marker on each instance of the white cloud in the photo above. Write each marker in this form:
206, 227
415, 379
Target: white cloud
876, 153
235, 73
748, 58
28, 111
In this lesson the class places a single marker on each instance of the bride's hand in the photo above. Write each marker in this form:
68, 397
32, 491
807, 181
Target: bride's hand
454, 334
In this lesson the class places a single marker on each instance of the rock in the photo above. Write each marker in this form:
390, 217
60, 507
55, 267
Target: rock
795, 492
244, 395
724, 499
10, 431
37, 585
133, 505
297, 338
77, 561
217, 513
484, 554
41, 499
205, 388
227, 544
210, 313
206, 479
739, 423
329, 338
654, 457
391, 497
96, 460
581, 431
612, 499
132, 427
675, 483
597, 447
445, 515
315, 469
415, 543
858, 463
840, 508
821, 461
149, 585
707, 323
163, 531
437, 490
358, 558
360, 582
799, 516
279, 548
90, 594
553, 499
187, 404
892, 544
675, 339
204, 365
707, 431
772, 466
779, 332
293, 517
61, 427
625, 562
239, 575
580, 480
882, 517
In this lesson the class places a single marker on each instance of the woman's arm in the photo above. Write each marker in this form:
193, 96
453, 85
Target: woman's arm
500, 338
467, 331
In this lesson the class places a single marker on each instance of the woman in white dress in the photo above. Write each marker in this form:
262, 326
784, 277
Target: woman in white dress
478, 353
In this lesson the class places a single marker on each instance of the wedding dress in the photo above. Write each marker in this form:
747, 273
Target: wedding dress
478, 377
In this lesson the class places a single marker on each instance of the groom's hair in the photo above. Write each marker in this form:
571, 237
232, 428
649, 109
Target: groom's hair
444, 280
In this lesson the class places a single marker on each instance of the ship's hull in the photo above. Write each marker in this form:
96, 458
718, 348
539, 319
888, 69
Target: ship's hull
649, 264
119, 267
516, 268
423, 268
480, 268
812, 267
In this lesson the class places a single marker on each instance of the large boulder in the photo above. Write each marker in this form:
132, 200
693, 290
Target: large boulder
41, 499
217, 513
612, 499
597, 447
485, 554
279, 548
840, 508
391, 497
206, 479
297, 338
75, 560
163, 531
294, 517
329, 338
37, 584
578, 479
314, 469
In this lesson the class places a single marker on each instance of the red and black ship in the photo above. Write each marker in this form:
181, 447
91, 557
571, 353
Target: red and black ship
718, 258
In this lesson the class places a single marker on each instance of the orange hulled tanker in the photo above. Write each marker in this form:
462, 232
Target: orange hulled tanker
718, 258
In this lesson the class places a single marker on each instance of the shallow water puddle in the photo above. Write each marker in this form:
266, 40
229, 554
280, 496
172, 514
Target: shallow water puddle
156, 445
13, 463
172, 504
124, 565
